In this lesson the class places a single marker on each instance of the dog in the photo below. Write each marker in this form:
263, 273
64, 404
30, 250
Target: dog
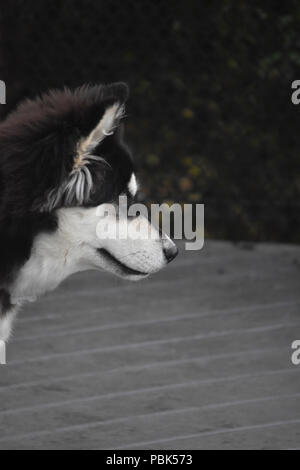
62, 158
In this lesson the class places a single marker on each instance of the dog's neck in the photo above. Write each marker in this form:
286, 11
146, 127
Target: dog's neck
54, 257
46, 269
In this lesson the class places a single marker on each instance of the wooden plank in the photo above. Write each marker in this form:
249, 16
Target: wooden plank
196, 357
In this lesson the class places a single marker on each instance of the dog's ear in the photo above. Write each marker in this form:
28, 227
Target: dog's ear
115, 96
107, 125
47, 146
78, 184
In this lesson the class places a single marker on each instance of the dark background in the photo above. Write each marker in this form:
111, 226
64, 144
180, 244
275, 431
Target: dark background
210, 114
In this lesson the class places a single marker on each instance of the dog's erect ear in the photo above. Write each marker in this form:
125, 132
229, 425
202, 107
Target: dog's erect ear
108, 123
115, 95
78, 185
49, 144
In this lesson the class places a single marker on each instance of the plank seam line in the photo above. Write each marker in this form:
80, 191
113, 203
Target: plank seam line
211, 433
79, 427
59, 333
133, 368
174, 386
175, 340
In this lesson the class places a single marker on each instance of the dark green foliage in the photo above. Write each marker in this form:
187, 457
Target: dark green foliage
210, 115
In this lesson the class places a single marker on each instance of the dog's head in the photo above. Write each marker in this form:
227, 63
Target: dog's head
64, 164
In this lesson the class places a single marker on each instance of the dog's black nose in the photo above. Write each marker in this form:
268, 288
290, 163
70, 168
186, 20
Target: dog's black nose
170, 251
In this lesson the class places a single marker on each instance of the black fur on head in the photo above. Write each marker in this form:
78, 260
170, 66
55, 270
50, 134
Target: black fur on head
47, 161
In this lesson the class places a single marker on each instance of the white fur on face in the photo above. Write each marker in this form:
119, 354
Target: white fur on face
76, 246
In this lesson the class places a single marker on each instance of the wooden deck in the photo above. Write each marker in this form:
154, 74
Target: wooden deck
197, 357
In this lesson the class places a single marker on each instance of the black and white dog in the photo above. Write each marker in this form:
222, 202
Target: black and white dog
61, 158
